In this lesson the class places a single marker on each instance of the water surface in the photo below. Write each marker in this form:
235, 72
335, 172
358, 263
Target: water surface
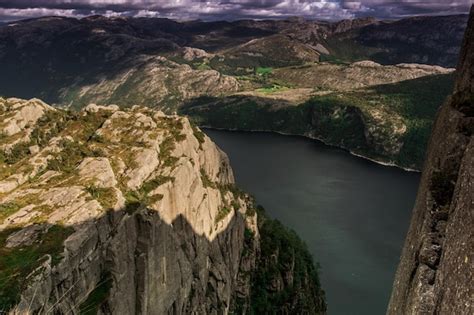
352, 213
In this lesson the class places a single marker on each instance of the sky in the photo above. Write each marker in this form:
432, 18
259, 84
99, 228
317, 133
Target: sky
232, 9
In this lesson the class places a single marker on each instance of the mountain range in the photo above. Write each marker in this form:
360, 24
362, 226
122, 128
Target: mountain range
291, 76
125, 207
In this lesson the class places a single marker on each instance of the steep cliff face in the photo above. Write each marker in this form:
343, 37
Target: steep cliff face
121, 212
437, 266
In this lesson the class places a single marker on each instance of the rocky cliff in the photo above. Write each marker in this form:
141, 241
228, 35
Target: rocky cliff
130, 212
436, 271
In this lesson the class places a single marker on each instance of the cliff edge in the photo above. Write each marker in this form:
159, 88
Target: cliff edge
436, 270
109, 211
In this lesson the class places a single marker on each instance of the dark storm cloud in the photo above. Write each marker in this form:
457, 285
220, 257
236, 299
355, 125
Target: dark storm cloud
231, 9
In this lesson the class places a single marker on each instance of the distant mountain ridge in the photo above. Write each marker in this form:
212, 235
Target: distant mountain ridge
170, 65
41, 57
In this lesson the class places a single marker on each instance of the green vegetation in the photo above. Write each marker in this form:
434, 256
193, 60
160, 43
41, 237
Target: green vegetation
70, 156
282, 251
105, 196
154, 183
16, 154
206, 181
174, 127
341, 118
333, 59
140, 198
202, 66
198, 134
272, 89
264, 71
7, 209
17, 263
223, 212
97, 297
48, 126
51, 124
82, 126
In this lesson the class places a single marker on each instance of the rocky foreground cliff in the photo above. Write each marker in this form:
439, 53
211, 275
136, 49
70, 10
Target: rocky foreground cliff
436, 272
115, 211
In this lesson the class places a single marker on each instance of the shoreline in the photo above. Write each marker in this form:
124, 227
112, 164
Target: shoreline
386, 164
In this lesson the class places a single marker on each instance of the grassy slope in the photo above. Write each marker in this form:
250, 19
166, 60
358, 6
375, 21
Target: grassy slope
17, 263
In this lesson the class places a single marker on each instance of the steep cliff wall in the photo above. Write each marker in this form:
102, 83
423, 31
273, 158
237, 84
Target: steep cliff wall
436, 272
122, 212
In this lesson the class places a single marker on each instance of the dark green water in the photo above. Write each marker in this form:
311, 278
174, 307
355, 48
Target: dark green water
352, 213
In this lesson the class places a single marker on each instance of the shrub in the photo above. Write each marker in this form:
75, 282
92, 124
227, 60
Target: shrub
17, 263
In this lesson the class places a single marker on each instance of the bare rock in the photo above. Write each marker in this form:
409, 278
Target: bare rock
437, 264
99, 171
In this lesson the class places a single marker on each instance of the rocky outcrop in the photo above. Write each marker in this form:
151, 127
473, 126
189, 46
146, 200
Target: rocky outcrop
437, 264
123, 212
361, 74
150, 80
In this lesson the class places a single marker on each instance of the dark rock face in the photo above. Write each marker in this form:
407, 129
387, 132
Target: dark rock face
437, 265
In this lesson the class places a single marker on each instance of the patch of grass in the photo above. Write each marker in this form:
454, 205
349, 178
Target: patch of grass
332, 59
70, 156
135, 200
206, 181
272, 89
154, 183
83, 125
17, 263
48, 126
223, 212
198, 134
17, 153
105, 196
166, 148
202, 66
174, 127
7, 209
263, 71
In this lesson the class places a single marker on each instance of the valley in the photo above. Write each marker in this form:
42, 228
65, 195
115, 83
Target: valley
243, 166
290, 76
352, 213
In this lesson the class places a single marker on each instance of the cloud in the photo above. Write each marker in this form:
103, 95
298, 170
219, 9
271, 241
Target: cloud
404, 8
230, 9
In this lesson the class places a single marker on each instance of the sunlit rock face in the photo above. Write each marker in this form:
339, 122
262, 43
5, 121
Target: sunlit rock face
437, 265
147, 201
125, 212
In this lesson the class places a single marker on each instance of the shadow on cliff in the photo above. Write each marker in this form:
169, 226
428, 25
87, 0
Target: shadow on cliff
131, 261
